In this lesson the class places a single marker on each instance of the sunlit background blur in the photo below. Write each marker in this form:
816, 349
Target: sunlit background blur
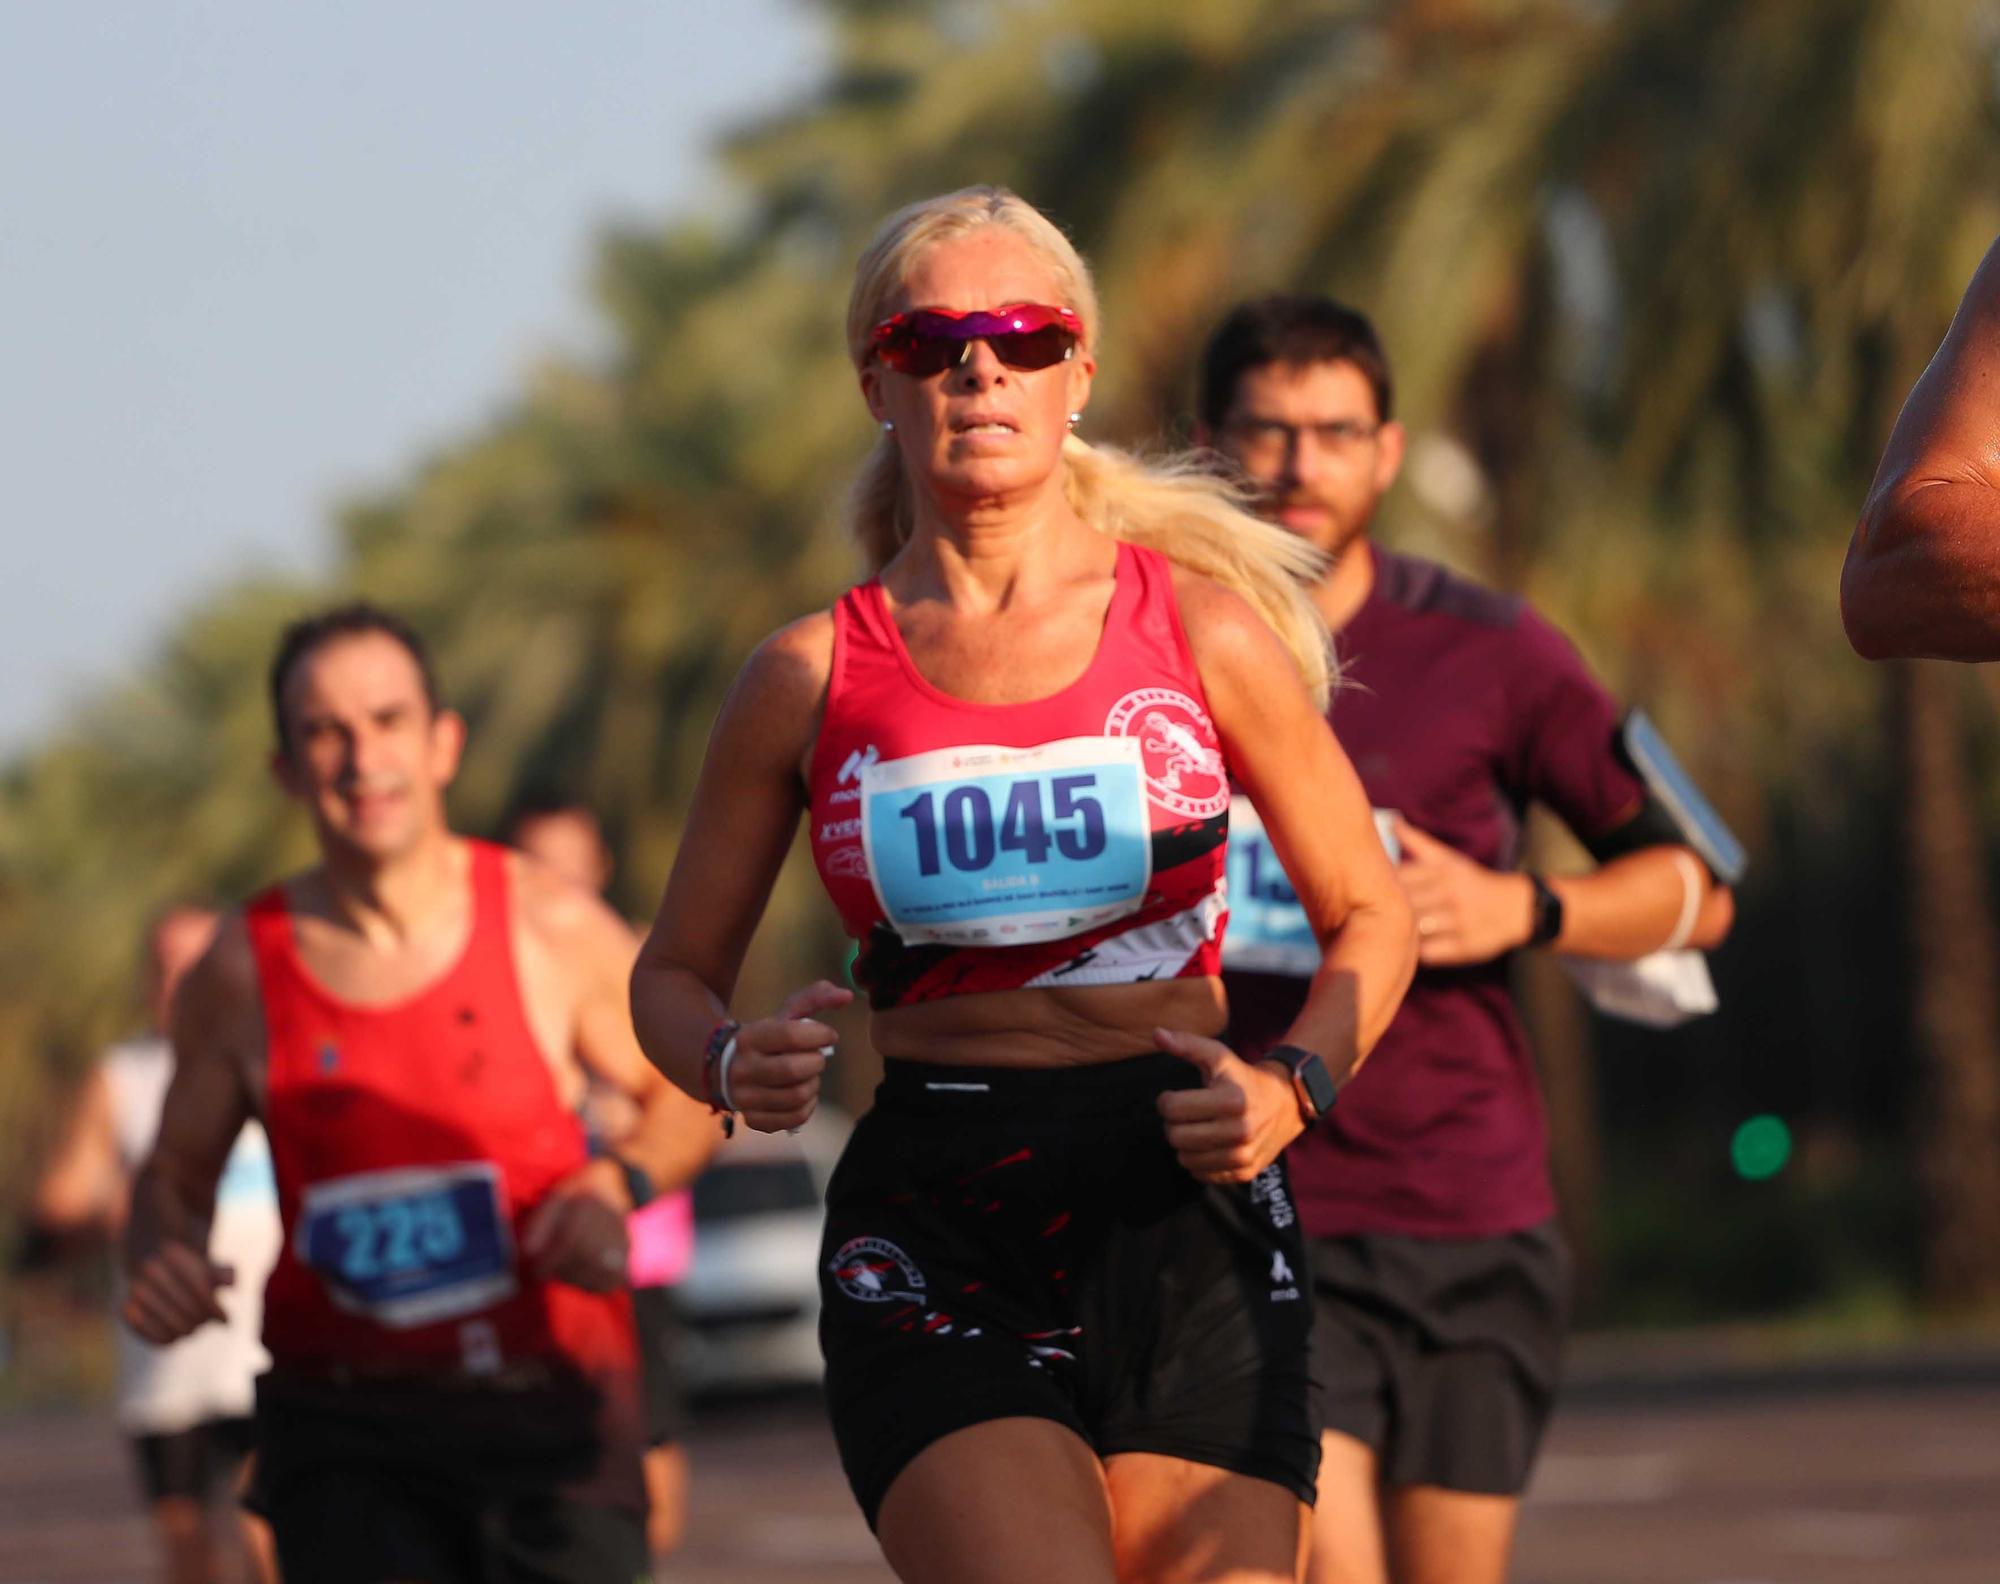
527, 321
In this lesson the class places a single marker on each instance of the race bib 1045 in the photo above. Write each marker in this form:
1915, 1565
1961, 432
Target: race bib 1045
993, 846
410, 1246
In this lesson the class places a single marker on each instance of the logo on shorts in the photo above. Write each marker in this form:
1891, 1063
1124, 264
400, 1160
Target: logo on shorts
1184, 773
874, 1270
1284, 1285
1267, 1189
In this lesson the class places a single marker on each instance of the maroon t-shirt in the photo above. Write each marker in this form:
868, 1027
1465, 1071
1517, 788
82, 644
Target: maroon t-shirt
1458, 707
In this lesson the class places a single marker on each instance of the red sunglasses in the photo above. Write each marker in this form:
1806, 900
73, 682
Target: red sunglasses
928, 341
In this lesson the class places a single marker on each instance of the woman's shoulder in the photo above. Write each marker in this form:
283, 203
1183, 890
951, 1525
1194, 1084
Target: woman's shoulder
785, 677
1214, 616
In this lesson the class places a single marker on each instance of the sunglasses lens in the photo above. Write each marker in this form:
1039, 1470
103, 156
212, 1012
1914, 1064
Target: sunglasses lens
1032, 349
921, 352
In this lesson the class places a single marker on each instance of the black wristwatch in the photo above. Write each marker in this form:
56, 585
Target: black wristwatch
1312, 1084
638, 1181
1548, 914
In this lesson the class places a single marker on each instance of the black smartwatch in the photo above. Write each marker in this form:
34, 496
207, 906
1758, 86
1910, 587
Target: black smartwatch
638, 1183
1548, 913
1312, 1084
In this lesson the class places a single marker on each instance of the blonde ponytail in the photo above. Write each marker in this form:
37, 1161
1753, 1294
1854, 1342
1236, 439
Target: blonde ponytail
1196, 520
1173, 505
879, 506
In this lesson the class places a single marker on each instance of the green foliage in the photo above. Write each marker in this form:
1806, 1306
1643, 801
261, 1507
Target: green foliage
1659, 269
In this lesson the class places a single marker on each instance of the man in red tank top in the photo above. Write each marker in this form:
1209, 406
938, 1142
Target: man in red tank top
453, 1390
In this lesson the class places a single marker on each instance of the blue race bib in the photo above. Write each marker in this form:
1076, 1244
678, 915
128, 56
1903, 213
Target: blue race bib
246, 1175
412, 1245
1268, 929
988, 846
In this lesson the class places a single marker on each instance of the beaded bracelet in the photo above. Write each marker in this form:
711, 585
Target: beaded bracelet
715, 1058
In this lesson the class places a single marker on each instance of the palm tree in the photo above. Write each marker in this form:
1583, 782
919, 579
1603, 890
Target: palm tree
1660, 268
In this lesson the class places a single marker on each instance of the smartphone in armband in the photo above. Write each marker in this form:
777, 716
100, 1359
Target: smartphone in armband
1673, 789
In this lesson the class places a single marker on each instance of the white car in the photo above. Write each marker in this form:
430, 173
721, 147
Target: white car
750, 1300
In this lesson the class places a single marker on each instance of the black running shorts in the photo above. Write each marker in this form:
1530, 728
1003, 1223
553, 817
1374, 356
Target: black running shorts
1442, 1354
196, 1463
438, 1484
1006, 1243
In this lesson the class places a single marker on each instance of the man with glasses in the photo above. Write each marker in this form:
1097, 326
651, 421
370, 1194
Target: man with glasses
1440, 1278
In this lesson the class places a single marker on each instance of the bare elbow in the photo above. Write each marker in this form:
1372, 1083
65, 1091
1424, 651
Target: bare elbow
1861, 606
59, 1210
1399, 920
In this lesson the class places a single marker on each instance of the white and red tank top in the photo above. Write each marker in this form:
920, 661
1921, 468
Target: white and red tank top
1077, 839
410, 1141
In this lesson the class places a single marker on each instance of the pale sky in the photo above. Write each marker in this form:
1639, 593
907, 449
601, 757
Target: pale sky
254, 257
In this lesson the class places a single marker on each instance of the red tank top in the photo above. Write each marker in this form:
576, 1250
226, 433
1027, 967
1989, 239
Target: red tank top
1075, 840
410, 1141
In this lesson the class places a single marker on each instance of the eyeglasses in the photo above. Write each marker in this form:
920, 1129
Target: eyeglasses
928, 341
1267, 437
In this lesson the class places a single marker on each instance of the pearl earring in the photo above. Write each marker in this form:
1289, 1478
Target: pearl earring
1075, 418
888, 426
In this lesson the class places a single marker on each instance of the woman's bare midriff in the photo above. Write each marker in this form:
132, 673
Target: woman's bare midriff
1048, 1028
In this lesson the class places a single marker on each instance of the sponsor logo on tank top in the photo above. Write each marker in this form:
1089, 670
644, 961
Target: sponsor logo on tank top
840, 830
874, 1270
847, 863
1183, 773
847, 785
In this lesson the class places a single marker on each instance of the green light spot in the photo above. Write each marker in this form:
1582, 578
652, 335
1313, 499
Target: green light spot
1761, 1147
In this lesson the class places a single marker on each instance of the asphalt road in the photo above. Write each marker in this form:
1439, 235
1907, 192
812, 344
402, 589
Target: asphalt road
1778, 1482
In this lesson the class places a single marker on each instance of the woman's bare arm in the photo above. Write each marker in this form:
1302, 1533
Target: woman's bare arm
1285, 757
1295, 773
746, 809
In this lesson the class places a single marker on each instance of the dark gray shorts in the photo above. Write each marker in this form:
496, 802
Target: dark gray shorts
1442, 1354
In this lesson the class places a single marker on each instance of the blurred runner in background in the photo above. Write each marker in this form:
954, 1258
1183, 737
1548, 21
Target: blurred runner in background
1923, 573
454, 1382
1441, 1279
566, 836
187, 1407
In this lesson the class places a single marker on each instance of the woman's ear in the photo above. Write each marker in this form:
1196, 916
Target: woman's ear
873, 394
1078, 373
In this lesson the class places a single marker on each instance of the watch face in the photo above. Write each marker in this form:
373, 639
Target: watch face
1310, 1077
1318, 1084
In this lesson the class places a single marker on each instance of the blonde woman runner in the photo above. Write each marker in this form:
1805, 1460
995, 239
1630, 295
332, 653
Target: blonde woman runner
1066, 1322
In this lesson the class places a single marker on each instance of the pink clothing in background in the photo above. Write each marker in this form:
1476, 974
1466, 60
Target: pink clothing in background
662, 1239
